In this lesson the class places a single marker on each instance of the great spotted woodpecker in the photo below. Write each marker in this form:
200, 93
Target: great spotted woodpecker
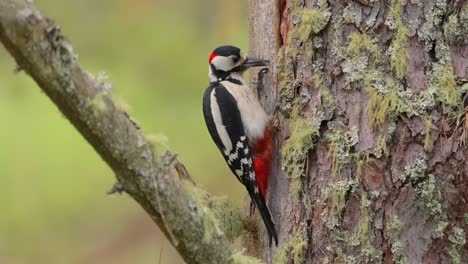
239, 125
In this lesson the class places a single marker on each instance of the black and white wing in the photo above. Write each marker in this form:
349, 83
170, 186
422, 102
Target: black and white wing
224, 123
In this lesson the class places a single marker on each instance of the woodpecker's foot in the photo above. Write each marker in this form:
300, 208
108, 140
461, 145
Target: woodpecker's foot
259, 84
276, 117
262, 73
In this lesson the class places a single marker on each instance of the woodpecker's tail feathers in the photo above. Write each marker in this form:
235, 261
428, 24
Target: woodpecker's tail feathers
265, 214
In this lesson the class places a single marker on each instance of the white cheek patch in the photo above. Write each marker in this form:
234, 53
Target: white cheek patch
220, 128
222, 63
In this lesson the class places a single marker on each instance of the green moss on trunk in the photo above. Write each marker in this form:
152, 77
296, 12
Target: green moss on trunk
398, 49
383, 106
294, 250
393, 230
458, 239
304, 133
447, 91
242, 259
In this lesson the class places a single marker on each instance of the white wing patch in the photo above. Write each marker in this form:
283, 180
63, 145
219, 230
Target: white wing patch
220, 128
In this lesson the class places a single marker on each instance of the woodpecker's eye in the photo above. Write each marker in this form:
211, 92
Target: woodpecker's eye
235, 59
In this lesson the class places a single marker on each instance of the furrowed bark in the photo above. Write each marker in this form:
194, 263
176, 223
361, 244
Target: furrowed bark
371, 164
38, 47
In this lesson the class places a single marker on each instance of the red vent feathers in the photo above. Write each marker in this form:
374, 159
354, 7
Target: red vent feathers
262, 155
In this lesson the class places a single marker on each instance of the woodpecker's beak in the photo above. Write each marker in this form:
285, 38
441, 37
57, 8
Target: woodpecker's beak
250, 62
253, 62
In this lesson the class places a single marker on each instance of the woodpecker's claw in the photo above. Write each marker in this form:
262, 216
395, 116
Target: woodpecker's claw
260, 75
259, 83
262, 72
276, 118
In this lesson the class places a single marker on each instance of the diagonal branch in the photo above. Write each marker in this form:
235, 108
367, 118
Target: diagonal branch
42, 52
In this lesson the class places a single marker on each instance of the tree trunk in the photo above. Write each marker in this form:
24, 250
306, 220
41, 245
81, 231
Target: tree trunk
371, 162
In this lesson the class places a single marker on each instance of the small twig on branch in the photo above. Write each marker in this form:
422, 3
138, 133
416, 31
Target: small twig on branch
17, 69
116, 188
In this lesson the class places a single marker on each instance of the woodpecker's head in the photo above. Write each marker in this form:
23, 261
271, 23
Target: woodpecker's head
230, 62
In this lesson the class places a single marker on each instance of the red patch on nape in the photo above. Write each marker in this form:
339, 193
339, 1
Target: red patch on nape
212, 56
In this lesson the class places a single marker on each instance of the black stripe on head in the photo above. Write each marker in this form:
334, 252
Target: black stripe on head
227, 51
219, 73
223, 76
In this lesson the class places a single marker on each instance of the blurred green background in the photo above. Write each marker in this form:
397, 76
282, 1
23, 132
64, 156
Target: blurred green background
53, 207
